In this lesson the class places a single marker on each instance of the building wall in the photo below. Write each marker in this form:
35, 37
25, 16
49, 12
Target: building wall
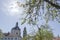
16, 32
11, 38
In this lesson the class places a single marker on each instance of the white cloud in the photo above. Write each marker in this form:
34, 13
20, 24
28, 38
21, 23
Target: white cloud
11, 8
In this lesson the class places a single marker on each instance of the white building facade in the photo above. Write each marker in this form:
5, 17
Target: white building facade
15, 34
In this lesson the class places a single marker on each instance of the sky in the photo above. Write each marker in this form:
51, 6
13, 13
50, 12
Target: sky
10, 13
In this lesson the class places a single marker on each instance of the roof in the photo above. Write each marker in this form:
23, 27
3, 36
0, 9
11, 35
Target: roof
10, 35
56, 38
16, 27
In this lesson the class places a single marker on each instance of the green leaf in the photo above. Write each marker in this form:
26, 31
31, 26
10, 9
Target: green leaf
33, 1
23, 21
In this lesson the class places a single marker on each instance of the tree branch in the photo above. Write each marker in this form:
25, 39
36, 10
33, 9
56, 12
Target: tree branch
54, 5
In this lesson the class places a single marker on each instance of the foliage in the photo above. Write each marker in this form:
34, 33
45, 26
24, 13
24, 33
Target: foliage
41, 9
1, 35
36, 10
43, 33
24, 32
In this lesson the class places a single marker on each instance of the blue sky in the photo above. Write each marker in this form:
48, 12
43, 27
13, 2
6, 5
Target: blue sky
8, 18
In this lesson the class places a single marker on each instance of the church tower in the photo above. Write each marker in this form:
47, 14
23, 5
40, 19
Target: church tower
16, 30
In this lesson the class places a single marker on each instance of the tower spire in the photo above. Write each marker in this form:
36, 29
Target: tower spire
16, 24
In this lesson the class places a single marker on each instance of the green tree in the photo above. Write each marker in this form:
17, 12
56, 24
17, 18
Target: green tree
41, 9
44, 33
36, 10
24, 34
1, 34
